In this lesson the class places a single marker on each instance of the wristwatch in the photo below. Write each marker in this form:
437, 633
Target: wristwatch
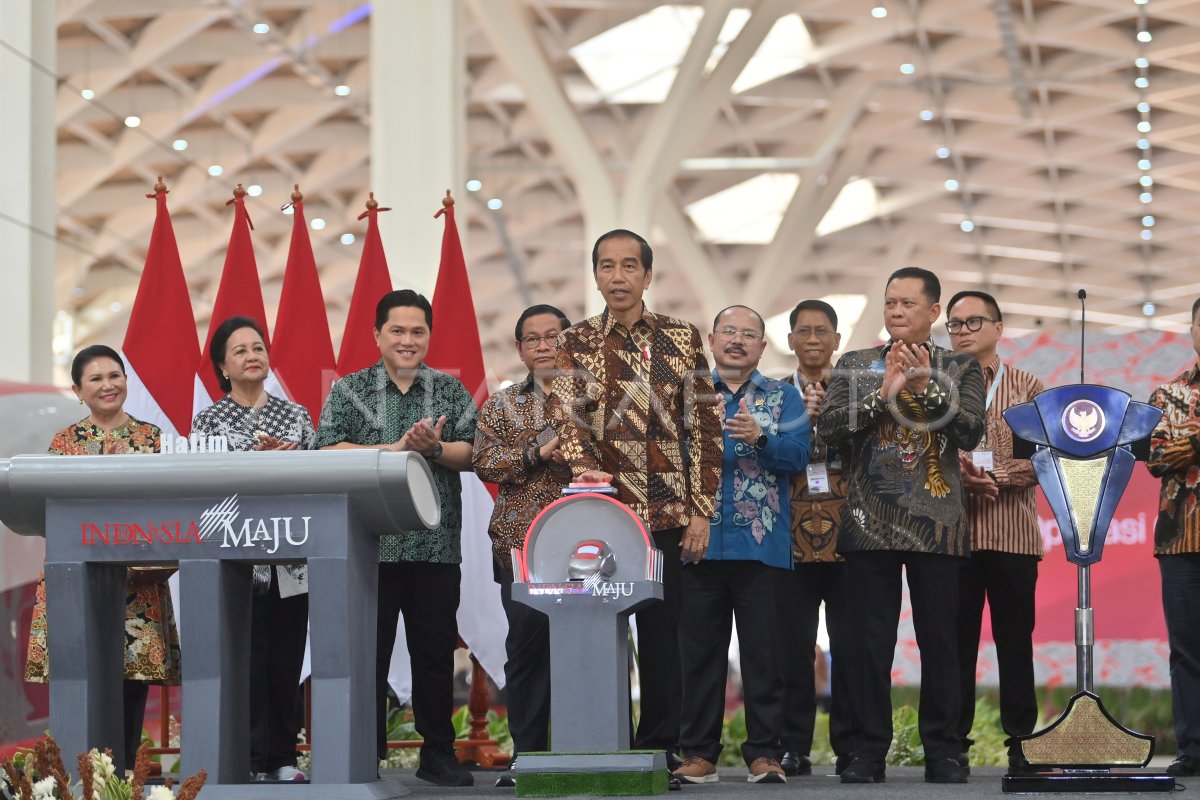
436, 452
760, 442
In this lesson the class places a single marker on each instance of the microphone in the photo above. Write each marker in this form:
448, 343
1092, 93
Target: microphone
1082, 295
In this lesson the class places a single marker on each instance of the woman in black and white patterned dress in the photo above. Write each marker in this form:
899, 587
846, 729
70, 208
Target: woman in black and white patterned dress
252, 419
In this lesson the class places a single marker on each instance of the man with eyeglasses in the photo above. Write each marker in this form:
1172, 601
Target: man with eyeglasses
638, 411
749, 556
517, 449
1006, 542
902, 412
819, 576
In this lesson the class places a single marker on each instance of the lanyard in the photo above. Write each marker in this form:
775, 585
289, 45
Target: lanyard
991, 395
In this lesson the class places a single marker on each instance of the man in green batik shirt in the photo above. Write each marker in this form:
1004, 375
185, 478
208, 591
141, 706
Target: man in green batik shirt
401, 404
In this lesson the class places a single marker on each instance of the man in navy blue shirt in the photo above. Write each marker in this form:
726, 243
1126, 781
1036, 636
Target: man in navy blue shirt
744, 570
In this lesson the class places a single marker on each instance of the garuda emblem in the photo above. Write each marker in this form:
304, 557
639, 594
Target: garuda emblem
1083, 420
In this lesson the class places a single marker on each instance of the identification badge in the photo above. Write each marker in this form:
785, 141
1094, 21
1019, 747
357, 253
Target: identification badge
983, 459
818, 479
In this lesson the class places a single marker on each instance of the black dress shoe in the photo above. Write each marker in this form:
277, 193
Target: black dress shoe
795, 764
860, 770
944, 770
964, 761
840, 763
442, 768
1184, 766
508, 778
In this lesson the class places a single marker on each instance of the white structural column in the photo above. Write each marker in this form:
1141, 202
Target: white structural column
27, 216
418, 131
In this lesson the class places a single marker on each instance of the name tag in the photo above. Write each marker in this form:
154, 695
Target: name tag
818, 478
983, 459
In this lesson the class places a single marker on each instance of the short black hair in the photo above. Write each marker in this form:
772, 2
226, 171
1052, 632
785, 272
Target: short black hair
761, 323
992, 306
620, 233
89, 354
932, 286
533, 311
220, 343
1195, 308
812, 305
399, 299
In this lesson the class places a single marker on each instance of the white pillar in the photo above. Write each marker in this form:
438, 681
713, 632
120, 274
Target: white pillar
27, 216
418, 131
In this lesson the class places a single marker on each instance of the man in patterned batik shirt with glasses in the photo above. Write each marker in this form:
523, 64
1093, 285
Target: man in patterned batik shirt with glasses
517, 449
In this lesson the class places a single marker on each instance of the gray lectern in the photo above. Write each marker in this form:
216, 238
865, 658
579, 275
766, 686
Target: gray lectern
588, 564
215, 514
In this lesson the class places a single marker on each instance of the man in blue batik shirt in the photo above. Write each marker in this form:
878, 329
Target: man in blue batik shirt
744, 570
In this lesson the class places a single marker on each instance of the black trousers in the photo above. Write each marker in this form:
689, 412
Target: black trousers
133, 703
658, 654
427, 595
714, 593
1180, 590
806, 588
1009, 582
875, 597
527, 670
278, 628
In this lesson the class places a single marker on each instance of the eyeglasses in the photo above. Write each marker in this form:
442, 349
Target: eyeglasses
821, 333
970, 323
531, 342
745, 335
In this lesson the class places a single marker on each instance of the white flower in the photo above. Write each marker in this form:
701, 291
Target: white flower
161, 793
44, 788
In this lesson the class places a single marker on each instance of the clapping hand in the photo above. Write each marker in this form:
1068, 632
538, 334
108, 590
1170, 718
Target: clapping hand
741, 426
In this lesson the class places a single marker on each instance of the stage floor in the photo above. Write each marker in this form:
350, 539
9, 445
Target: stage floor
903, 783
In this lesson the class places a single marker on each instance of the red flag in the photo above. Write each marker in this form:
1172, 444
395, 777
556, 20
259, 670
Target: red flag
359, 350
160, 343
239, 294
302, 358
454, 346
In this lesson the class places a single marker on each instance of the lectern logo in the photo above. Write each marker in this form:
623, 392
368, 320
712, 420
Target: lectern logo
264, 532
1083, 420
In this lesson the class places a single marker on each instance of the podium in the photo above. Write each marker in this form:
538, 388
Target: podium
216, 514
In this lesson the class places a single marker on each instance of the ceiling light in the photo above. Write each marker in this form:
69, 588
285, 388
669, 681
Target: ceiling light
1143, 144
1147, 234
1143, 107
1146, 181
254, 190
1144, 36
1141, 82
215, 170
317, 223
115, 305
907, 69
925, 115
87, 94
474, 185
289, 209
967, 226
341, 90
878, 12
495, 204
261, 28
1146, 197
347, 238
952, 185
1141, 62
943, 152
1140, 2
1143, 163
132, 121
1148, 221
1148, 308
1143, 126
179, 144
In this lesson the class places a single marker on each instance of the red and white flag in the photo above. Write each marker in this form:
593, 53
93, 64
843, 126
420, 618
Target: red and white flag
359, 349
239, 295
302, 356
161, 348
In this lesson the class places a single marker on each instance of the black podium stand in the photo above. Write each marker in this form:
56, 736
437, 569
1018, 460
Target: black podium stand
215, 515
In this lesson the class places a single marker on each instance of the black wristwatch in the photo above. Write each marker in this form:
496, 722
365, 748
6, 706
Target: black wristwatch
760, 442
436, 452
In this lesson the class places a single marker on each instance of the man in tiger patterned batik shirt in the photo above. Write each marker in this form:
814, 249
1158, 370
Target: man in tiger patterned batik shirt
638, 410
902, 412
1175, 457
